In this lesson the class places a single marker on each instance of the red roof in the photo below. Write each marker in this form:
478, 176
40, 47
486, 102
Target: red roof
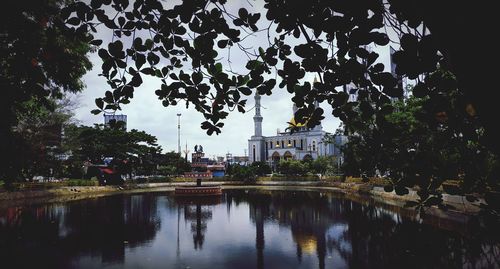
107, 170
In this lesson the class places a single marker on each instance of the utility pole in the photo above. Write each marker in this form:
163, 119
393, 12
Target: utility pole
179, 133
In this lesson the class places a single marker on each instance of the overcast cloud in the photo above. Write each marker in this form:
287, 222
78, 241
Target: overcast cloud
146, 113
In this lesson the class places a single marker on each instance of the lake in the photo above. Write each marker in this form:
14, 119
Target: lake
252, 228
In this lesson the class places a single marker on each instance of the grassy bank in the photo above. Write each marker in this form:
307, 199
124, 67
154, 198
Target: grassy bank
20, 186
288, 178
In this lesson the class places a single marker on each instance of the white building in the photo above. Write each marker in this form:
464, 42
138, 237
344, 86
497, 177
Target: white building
303, 144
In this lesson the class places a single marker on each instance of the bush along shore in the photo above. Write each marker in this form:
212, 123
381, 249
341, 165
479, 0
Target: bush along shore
373, 187
457, 215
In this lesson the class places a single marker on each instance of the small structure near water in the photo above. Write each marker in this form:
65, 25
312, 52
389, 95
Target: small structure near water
203, 167
199, 190
200, 171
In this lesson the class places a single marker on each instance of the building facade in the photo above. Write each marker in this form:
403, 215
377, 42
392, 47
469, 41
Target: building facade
301, 145
203, 167
117, 118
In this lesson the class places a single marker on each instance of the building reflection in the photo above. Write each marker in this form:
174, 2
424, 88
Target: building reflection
309, 216
359, 233
197, 210
320, 230
97, 228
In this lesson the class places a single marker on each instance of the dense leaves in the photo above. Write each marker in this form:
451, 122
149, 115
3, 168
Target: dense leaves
38, 134
335, 50
42, 55
94, 144
422, 144
182, 47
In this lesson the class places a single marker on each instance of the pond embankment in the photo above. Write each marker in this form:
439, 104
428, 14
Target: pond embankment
460, 208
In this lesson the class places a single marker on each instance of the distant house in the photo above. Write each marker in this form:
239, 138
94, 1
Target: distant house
204, 167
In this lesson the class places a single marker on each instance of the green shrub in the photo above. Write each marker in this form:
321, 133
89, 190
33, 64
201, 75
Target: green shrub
278, 177
243, 173
184, 179
376, 181
167, 170
81, 182
159, 179
333, 178
261, 168
293, 167
264, 179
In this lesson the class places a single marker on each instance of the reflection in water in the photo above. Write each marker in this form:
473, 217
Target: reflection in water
243, 229
197, 211
51, 234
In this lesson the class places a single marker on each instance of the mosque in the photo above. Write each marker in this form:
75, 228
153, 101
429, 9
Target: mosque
301, 145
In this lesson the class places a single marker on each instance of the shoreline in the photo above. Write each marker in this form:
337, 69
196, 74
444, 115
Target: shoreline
358, 192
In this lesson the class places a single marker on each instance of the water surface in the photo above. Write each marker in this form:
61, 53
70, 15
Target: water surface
242, 229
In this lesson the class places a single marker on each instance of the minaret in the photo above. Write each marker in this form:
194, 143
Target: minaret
318, 127
257, 119
256, 145
316, 103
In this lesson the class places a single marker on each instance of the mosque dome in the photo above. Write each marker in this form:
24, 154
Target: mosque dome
293, 123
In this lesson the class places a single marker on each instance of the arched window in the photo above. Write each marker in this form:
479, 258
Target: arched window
282, 144
275, 157
294, 143
301, 144
314, 145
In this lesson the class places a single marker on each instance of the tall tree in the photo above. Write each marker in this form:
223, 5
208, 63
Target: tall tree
40, 58
331, 38
181, 46
418, 147
40, 130
173, 163
99, 142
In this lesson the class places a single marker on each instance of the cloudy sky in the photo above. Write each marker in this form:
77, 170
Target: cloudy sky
146, 113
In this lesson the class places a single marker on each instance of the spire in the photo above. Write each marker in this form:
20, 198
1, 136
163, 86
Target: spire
257, 119
316, 103
257, 105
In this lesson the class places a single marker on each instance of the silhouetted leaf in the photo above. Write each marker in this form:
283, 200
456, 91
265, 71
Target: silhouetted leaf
73, 21
96, 42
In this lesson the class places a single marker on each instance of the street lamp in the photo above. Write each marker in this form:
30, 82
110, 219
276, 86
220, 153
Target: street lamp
179, 133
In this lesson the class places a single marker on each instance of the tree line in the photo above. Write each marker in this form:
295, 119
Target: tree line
44, 50
52, 144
